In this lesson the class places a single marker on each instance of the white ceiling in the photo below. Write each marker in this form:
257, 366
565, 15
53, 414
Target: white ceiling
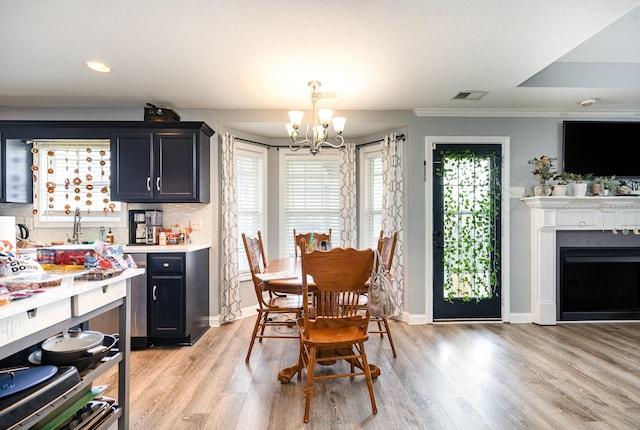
373, 54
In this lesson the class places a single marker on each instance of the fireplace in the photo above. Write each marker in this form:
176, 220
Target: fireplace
591, 243
599, 283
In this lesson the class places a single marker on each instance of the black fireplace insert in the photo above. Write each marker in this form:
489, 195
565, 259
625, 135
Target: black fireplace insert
599, 283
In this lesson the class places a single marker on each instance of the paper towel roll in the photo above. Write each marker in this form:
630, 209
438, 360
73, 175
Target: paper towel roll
7, 234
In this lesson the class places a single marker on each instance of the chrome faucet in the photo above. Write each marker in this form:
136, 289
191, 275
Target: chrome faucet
76, 227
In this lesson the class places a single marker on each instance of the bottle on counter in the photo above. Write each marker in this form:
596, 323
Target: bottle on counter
110, 238
162, 238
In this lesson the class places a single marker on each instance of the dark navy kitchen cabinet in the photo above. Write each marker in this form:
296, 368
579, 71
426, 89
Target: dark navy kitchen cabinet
16, 184
150, 161
168, 165
178, 296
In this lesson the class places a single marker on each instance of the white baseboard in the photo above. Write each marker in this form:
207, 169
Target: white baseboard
523, 318
411, 319
249, 311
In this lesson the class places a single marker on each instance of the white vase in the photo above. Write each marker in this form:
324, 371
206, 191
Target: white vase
558, 190
578, 189
541, 190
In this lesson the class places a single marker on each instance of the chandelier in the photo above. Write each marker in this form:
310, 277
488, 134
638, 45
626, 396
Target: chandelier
319, 132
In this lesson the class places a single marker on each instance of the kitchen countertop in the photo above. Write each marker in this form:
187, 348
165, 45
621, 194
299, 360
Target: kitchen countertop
52, 294
141, 249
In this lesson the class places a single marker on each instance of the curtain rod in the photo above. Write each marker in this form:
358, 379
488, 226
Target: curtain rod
398, 137
253, 141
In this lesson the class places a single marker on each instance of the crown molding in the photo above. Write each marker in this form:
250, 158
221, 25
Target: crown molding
525, 113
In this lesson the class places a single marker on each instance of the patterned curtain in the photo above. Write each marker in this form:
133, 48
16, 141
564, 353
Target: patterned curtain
348, 201
229, 234
393, 206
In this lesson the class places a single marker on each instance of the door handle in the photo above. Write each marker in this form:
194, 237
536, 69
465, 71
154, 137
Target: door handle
158, 183
153, 293
435, 242
148, 183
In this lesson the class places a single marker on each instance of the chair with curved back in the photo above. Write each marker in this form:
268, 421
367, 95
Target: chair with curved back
387, 248
268, 303
317, 238
333, 327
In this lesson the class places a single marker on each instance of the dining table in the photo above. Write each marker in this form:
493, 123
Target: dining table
284, 276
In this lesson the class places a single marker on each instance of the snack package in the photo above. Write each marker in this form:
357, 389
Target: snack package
10, 265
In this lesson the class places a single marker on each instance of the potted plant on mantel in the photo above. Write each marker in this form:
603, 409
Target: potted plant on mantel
543, 168
578, 186
607, 186
560, 187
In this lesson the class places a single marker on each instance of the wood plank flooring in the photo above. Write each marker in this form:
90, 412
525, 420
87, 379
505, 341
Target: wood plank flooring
449, 376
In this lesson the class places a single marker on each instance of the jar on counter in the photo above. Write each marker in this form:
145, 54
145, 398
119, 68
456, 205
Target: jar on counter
162, 238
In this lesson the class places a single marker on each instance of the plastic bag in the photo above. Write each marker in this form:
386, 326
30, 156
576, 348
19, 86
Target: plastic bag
381, 295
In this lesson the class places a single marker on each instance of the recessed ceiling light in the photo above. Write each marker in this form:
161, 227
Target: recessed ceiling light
587, 102
97, 66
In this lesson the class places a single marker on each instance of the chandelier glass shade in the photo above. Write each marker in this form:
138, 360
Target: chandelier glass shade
317, 133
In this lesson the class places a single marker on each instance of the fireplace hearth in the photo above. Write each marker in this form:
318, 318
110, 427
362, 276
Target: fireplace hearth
599, 283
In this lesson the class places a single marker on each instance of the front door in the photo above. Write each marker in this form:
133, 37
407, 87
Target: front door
466, 231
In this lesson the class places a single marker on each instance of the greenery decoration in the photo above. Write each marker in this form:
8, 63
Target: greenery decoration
543, 168
471, 192
610, 183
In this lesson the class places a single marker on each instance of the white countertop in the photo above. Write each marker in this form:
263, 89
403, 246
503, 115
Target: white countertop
53, 294
141, 249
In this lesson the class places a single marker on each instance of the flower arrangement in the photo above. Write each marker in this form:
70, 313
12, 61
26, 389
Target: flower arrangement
543, 168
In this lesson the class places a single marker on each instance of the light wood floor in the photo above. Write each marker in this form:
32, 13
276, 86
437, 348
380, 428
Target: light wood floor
454, 376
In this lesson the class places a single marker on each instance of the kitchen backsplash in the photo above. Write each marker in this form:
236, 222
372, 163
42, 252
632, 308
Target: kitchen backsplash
173, 213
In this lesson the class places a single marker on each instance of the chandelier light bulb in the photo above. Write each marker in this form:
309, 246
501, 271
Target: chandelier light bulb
338, 124
325, 115
295, 116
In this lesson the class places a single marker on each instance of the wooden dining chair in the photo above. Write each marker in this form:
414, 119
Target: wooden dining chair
333, 327
317, 238
386, 248
270, 306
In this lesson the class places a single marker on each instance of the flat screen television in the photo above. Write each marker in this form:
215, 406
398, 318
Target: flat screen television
603, 148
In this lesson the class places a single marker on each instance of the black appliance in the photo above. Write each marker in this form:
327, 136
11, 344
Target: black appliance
144, 226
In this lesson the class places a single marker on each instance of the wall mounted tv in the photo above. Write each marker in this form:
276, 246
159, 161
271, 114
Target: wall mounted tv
603, 148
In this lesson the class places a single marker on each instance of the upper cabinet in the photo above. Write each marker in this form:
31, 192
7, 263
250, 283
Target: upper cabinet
150, 161
16, 184
167, 165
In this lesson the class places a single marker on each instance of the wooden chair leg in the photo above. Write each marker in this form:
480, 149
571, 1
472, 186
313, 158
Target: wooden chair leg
265, 318
367, 373
311, 359
379, 321
253, 336
388, 330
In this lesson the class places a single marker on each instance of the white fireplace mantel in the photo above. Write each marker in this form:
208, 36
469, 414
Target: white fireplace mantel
550, 214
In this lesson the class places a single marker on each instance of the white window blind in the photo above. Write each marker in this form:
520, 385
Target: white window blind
70, 174
311, 196
370, 195
251, 174
372, 205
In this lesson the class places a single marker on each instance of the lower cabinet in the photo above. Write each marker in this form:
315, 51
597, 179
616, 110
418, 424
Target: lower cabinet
178, 296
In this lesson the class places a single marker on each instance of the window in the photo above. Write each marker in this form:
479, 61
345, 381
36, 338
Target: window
311, 196
70, 174
251, 168
371, 196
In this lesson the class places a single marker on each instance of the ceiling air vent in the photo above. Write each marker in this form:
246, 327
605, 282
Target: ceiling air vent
469, 95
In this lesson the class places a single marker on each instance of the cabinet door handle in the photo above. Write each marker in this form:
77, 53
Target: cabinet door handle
153, 293
165, 265
158, 183
148, 183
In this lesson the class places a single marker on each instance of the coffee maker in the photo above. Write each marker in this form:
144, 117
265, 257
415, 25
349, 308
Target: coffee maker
153, 221
144, 226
